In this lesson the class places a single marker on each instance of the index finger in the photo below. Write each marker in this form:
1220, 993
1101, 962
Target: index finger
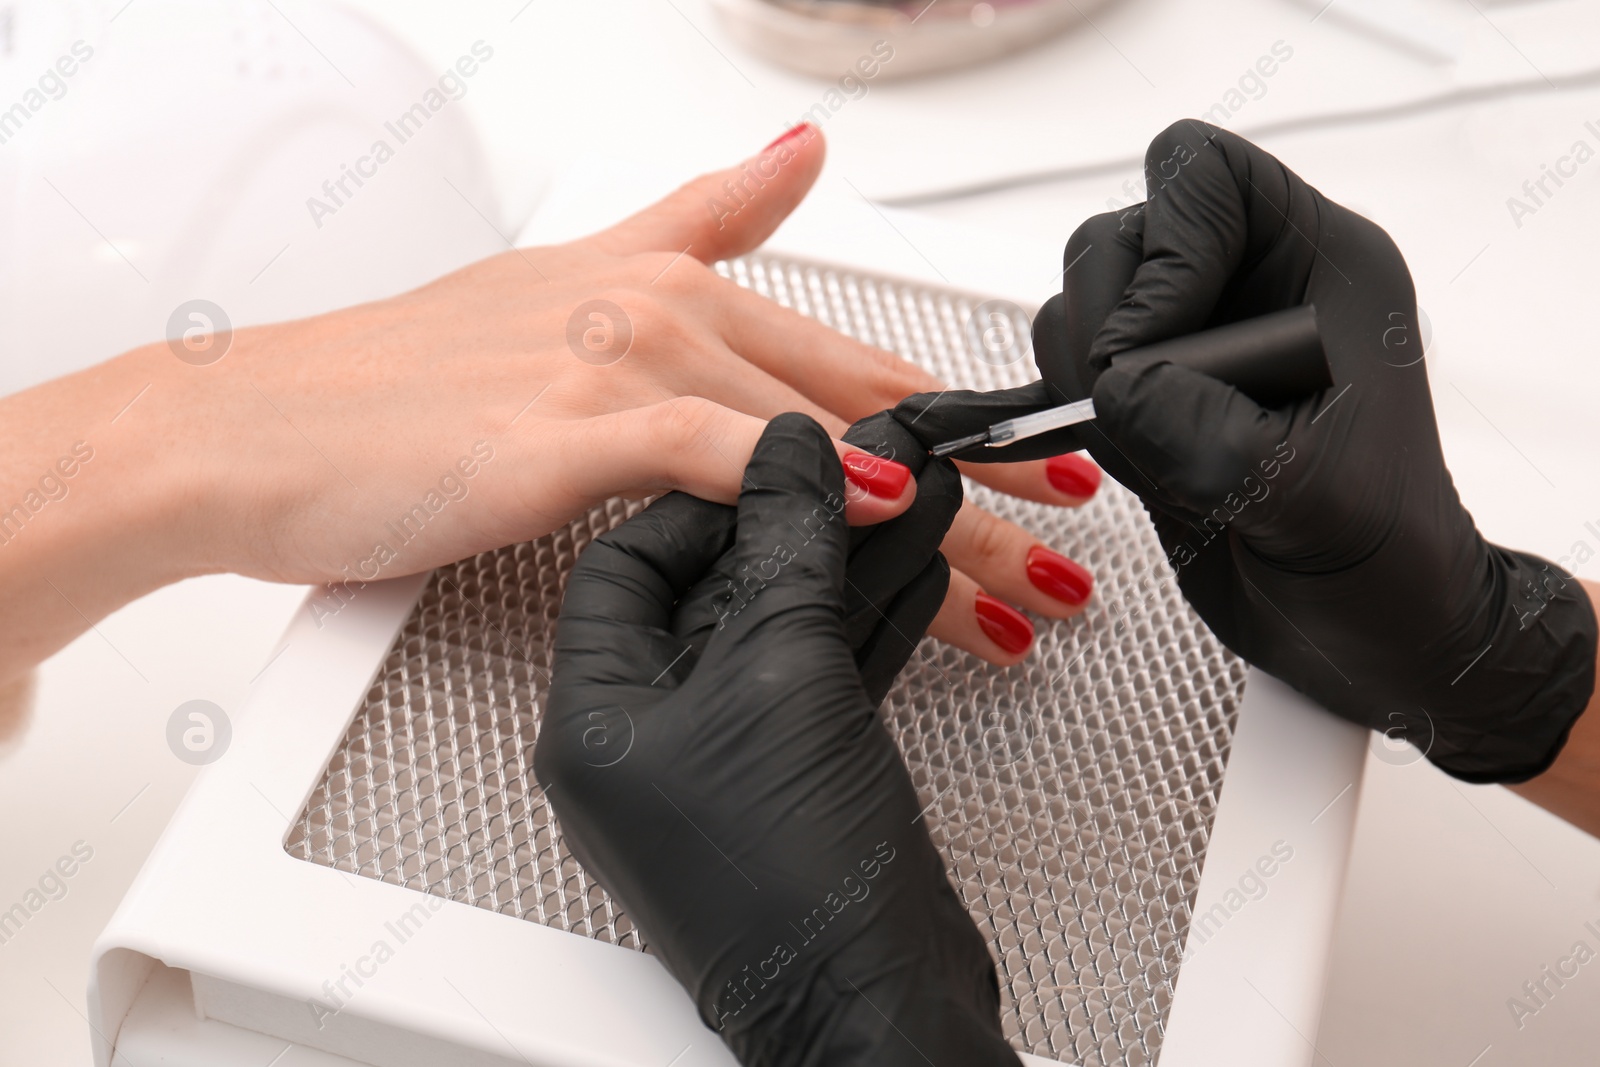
1216, 205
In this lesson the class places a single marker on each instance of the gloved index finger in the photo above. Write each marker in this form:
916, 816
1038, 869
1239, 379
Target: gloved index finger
934, 418
1229, 233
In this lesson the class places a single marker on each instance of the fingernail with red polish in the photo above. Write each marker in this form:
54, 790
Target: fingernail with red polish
788, 135
1073, 475
1005, 625
1058, 577
878, 476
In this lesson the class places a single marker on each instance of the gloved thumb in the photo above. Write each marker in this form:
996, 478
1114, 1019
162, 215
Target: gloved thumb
1194, 446
792, 538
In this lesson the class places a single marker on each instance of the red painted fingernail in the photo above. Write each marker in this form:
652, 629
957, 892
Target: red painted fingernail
1073, 475
790, 134
878, 476
1058, 577
1005, 625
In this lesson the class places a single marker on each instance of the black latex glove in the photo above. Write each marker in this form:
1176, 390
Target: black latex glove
713, 752
1323, 542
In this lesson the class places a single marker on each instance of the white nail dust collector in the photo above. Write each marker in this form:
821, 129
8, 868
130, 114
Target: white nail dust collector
1152, 836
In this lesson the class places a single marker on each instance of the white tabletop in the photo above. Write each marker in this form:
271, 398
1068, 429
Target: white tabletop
1458, 895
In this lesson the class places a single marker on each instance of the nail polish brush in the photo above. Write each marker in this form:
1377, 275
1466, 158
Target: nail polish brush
1273, 359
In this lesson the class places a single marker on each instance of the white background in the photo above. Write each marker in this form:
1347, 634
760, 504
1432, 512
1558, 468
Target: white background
1457, 895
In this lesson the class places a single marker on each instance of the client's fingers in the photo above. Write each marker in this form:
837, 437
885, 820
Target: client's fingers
719, 374
1069, 480
976, 622
702, 448
852, 380
1013, 565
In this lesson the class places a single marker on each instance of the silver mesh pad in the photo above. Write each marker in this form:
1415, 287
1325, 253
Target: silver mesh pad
1072, 795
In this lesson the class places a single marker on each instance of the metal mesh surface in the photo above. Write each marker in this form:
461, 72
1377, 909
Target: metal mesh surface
1072, 795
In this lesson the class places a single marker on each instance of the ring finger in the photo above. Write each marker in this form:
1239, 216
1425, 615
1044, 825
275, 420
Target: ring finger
1014, 566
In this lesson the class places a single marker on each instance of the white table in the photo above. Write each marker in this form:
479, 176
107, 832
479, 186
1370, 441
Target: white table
1458, 895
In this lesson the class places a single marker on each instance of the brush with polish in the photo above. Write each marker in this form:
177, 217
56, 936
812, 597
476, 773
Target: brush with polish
1274, 359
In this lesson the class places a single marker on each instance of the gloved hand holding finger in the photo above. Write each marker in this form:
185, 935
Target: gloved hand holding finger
712, 749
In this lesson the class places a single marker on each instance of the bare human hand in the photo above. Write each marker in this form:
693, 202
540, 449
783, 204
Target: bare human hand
488, 407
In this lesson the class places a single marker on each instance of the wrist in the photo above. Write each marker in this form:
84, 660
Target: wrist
1515, 704
1568, 787
876, 1024
93, 512
167, 476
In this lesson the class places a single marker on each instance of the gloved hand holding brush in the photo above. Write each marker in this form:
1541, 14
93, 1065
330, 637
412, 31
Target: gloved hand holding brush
1321, 539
